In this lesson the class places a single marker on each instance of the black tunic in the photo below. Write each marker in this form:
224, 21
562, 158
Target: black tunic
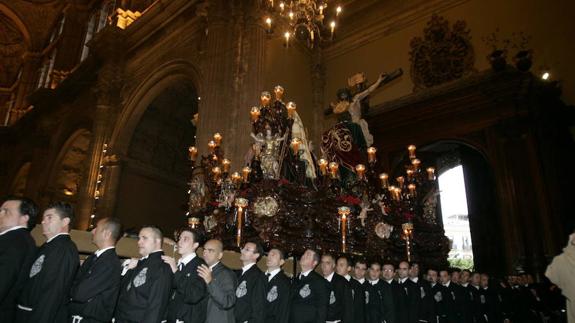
278, 297
310, 298
17, 252
381, 306
46, 291
145, 291
189, 299
95, 288
426, 307
250, 296
359, 300
340, 306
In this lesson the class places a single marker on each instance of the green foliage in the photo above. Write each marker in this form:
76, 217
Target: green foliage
461, 263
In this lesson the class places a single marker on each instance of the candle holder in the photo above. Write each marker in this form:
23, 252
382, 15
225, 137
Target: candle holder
246, 174
226, 165
333, 169
193, 153
360, 171
255, 113
241, 204
322, 166
407, 235
384, 178
291, 107
343, 212
411, 151
371, 158
193, 222
218, 139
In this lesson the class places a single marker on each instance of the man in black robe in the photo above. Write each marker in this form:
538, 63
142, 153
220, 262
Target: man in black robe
278, 289
251, 290
188, 302
360, 295
17, 251
46, 292
343, 268
95, 288
146, 285
340, 307
380, 297
407, 296
437, 294
425, 306
452, 298
310, 292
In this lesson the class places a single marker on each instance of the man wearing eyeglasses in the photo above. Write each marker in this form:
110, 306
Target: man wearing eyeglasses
251, 290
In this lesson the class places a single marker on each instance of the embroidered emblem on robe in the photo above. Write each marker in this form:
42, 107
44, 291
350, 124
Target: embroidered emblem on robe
422, 292
366, 297
140, 278
331, 298
272, 294
242, 289
37, 266
438, 297
305, 291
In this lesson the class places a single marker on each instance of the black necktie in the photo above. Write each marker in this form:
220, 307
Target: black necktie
268, 275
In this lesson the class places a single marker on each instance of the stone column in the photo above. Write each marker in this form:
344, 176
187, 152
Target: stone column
318, 103
233, 75
108, 48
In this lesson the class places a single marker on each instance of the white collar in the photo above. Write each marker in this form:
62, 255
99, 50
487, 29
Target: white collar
146, 256
272, 273
373, 282
12, 229
402, 280
448, 283
465, 285
247, 267
212, 266
59, 234
476, 287
414, 279
305, 273
389, 281
485, 288
329, 277
433, 284
348, 277
101, 251
361, 281
185, 260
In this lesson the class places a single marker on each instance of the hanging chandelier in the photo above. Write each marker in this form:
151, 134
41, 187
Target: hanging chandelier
309, 21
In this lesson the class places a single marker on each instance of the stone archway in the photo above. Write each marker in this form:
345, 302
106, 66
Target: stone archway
484, 221
152, 187
69, 168
18, 187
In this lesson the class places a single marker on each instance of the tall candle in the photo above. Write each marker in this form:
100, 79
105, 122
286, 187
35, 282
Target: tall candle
430, 173
411, 150
241, 204
384, 180
218, 138
333, 168
193, 152
371, 154
322, 166
246, 173
226, 165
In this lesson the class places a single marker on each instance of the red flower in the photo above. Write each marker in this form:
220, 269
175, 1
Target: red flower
350, 199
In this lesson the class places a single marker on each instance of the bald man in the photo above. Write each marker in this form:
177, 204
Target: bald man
222, 284
147, 284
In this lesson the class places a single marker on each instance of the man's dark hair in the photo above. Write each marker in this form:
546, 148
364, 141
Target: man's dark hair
346, 260
64, 210
375, 263
196, 234
433, 269
282, 253
157, 231
115, 227
327, 254
360, 261
453, 270
316, 256
259, 249
27, 207
466, 270
413, 263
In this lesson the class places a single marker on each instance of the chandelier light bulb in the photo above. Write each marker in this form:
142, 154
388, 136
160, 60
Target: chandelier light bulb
545, 76
337, 10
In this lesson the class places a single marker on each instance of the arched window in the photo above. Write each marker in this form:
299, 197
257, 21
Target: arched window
455, 216
99, 18
45, 72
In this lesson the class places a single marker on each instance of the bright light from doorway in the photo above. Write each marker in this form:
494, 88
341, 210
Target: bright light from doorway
455, 217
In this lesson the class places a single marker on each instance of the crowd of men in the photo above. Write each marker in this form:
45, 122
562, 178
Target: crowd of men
48, 284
